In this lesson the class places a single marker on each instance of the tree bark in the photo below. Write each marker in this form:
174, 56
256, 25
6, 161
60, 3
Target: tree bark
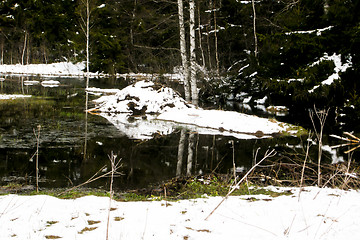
193, 81
87, 41
254, 26
200, 39
216, 41
184, 59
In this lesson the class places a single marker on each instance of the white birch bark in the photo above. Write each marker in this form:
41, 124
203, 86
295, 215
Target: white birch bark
254, 26
87, 41
184, 60
193, 81
200, 39
85, 27
216, 41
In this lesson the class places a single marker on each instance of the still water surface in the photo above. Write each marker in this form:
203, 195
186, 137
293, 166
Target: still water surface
75, 145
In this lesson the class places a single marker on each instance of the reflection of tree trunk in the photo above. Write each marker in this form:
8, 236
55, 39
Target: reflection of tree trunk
191, 149
22, 85
180, 152
86, 126
212, 153
2, 53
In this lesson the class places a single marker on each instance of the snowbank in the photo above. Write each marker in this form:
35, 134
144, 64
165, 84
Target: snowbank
54, 69
144, 109
318, 214
12, 96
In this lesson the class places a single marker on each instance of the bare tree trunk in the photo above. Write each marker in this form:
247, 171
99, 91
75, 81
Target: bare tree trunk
28, 51
254, 26
200, 38
184, 60
45, 56
216, 41
87, 41
193, 81
132, 36
85, 27
208, 43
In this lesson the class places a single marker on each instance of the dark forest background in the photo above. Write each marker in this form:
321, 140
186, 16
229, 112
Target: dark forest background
143, 36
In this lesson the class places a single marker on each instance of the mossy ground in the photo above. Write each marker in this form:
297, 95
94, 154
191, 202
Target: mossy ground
172, 190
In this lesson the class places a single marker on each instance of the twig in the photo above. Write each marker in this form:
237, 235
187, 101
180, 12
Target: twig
303, 168
267, 155
321, 115
114, 166
234, 166
351, 135
37, 136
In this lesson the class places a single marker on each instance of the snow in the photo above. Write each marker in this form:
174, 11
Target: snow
317, 31
314, 214
144, 109
54, 69
50, 83
12, 96
339, 67
31, 82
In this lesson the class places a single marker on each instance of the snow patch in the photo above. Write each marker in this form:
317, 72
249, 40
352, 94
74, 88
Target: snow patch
12, 96
339, 67
317, 31
53, 69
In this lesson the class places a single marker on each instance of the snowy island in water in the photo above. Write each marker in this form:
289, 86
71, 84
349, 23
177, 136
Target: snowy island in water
145, 109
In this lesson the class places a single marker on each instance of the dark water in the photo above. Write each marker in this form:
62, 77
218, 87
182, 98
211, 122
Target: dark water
75, 145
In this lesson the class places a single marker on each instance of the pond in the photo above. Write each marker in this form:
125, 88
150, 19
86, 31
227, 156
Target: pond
74, 145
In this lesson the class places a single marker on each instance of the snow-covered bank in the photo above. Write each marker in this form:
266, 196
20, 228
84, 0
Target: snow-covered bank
12, 96
69, 69
145, 108
53, 69
318, 214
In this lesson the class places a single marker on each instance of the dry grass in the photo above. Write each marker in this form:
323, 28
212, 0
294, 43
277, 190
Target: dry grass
87, 229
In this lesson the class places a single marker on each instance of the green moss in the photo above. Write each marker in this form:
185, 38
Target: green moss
127, 197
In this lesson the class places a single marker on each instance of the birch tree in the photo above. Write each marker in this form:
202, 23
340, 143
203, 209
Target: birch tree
254, 26
193, 82
184, 60
85, 14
